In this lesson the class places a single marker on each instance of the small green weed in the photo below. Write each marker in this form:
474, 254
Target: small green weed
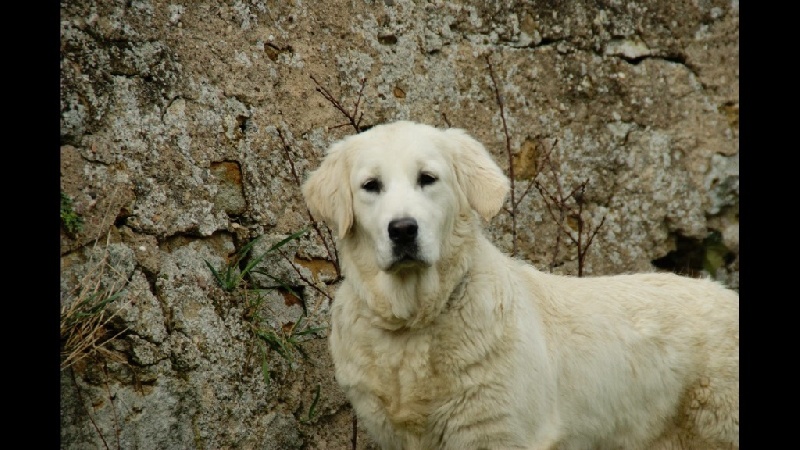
231, 275
312, 410
286, 344
715, 253
71, 221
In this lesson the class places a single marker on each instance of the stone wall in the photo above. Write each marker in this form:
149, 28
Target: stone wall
186, 128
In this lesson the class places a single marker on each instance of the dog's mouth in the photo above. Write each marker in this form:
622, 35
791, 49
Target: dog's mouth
406, 257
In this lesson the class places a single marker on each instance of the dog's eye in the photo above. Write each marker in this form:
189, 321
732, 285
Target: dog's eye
371, 185
426, 179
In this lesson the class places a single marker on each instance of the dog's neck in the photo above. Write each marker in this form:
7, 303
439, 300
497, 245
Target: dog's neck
414, 298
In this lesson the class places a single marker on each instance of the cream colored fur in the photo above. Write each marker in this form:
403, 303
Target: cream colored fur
467, 348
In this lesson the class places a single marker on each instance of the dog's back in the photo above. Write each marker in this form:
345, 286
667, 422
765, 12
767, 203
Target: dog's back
642, 355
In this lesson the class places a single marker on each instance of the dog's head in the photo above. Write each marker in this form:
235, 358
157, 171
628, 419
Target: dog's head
399, 188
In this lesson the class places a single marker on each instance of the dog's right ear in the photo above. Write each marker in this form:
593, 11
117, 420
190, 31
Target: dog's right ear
327, 191
482, 180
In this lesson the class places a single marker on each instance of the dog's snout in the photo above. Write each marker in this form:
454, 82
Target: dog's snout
403, 231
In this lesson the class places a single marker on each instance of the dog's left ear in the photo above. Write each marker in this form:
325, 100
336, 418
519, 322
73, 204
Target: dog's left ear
482, 180
327, 191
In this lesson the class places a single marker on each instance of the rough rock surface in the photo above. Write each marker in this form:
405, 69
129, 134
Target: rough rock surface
186, 128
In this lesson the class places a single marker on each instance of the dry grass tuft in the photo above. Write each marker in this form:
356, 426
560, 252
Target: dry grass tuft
85, 316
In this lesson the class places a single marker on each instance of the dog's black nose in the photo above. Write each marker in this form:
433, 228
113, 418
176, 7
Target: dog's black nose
403, 231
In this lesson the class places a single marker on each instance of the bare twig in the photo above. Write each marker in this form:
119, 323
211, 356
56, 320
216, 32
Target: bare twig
564, 210
577, 193
501, 105
444, 117
582, 247
113, 407
525, 192
581, 250
357, 124
355, 431
303, 278
588, 243
549, 201
353, 118
88, 414
333, 254
546, 157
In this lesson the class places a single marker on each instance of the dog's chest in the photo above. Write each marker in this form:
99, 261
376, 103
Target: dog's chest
397, 372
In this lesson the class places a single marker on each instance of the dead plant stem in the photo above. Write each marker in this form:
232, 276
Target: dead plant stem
501, 105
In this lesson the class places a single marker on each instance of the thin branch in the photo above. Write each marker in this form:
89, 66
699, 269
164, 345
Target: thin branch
444, 117
547, 195
573, 193
556, 178
501, 105
579, 215
525, 192
355, 431
113, 407
547, 161
333, 254
594, 233
568, 232
88, 414
303, 278
354, 118
577, 196
581, 249
544, 158
287, 150
549, 200
358, 103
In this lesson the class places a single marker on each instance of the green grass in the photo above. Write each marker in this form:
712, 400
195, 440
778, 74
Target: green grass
71, 221
715, 253
286, 344
232, 278
312, 410
231, 275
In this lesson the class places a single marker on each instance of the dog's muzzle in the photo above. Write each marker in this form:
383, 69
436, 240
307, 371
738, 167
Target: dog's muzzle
403, 234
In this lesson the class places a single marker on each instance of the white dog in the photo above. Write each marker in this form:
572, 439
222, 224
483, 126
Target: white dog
441, 341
